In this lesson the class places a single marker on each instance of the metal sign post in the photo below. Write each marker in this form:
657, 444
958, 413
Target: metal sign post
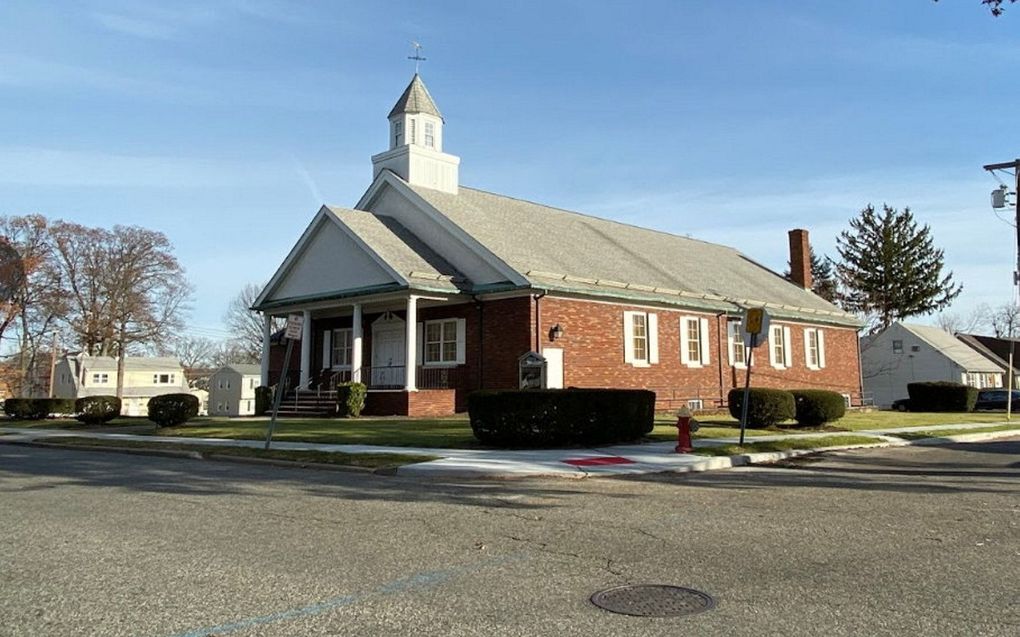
755, 322
295, 322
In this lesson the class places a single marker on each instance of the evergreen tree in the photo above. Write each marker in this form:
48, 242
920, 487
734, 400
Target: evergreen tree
890, 268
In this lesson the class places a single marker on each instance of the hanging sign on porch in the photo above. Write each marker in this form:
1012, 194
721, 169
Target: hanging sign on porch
294, 324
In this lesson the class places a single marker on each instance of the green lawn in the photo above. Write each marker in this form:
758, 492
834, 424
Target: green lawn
394, 432
939, 433
71, 423
370, 460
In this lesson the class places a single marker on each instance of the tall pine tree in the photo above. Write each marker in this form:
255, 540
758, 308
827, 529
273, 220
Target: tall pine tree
890, 268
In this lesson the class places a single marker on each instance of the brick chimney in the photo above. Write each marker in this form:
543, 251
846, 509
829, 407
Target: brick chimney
800, 258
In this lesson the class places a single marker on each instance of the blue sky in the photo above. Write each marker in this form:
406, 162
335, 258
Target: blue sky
225, 123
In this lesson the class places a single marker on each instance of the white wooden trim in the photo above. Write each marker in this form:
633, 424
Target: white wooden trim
461, 341
685, 341
652, 333
628, 337
787, 349
821, 349
706, 348
772, 346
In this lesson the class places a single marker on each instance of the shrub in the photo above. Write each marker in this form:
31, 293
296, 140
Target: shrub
551, 417
95, 410
350, 399
816, 407
263, 400
941, 396
172, 409
37, 408
766, 407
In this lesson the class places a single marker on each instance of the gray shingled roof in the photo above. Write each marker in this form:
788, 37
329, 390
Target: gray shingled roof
574, 252
416, 99
243, 369
953, 348
133, 363
402, 250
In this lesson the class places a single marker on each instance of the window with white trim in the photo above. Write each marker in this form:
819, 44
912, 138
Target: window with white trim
411, 131
341, 346
440, 342
168, 379
694, 341
100, 378
640, 338
779, 347
814, 348
430, 135
695, 404
398, 133
735, 338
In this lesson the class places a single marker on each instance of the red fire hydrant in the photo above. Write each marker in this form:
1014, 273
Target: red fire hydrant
683, 431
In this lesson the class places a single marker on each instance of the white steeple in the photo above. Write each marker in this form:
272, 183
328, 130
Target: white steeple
416, 142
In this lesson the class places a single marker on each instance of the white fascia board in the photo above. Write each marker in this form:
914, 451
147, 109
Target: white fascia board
388, 178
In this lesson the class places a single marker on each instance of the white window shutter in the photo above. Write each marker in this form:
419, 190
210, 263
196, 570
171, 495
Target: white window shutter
628, 337
821, 349
706, 346
653, 338
772, 347
787, 350
461, 341
420, 342
807, 348
326, 349
684, 341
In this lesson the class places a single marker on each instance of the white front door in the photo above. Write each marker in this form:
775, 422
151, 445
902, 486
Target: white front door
388, 353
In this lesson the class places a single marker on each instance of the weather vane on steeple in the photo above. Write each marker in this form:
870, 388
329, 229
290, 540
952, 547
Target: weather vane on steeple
418, 59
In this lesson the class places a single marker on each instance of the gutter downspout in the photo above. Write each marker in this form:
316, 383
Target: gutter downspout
860, 369
722, 337
538, 320
480, 306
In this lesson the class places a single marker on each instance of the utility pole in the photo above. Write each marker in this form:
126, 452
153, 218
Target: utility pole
999, 201
53, 358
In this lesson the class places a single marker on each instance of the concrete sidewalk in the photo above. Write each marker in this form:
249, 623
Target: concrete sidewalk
654, 457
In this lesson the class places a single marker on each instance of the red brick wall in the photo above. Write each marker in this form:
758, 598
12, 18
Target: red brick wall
593, 355
424, 403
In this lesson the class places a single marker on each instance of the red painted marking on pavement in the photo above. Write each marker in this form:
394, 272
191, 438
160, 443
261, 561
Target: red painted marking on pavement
589, 462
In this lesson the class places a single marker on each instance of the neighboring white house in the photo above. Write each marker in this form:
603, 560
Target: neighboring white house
904, 353
82, 375
232, 390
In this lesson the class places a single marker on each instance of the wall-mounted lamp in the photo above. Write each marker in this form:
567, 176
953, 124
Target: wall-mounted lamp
556, 332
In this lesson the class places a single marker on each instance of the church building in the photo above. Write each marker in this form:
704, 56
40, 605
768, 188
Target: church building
427, 290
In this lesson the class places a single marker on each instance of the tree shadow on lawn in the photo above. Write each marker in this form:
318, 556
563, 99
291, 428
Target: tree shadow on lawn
184, 476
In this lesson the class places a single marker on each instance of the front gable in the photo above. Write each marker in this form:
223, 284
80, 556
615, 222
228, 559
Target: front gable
327, 259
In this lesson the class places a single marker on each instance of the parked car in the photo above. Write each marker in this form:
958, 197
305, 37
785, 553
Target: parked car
996, 399
903, 404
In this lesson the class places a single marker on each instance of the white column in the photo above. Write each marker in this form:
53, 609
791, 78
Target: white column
411, 355
267, 334
306, 349
356, 344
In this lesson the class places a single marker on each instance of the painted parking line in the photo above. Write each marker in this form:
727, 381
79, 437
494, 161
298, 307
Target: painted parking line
419, 581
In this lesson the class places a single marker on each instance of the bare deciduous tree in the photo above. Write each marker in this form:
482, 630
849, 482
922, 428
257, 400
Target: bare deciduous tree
1005, 321
975, 322
246, 325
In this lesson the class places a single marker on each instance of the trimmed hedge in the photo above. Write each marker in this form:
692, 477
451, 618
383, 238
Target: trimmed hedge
350, 399
95, 410
941, 396
816, 407
37, 408
263, 400
172, 409
554, 417
766, 407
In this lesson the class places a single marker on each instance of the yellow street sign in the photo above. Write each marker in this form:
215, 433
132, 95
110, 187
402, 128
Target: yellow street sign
754, 318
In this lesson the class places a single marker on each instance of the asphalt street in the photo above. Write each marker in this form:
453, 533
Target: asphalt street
909, 541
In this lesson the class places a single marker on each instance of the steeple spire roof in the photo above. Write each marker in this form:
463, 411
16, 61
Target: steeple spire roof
416, 99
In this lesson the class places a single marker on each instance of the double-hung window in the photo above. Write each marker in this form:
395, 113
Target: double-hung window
779, 347
430, 135
398, 133
341, 348
441, 342
100, 378
694, 348
814, 348
640, 339
735, 338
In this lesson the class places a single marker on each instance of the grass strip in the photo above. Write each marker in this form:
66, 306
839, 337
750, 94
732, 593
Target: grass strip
942, 433
369, 460
787, 444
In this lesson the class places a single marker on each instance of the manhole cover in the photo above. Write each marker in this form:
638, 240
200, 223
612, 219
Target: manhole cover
653, 600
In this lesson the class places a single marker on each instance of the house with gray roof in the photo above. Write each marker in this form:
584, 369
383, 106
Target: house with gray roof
904, 353
426, 290
80, 375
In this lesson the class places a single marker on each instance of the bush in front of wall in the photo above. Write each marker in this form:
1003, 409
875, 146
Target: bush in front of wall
350, 399
941, 396
553, 417
172, 409
766, 407
96, 410
816, 407
37, 408
263, 400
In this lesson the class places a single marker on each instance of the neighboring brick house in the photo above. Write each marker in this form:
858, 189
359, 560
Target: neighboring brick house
232, 390
463, 283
